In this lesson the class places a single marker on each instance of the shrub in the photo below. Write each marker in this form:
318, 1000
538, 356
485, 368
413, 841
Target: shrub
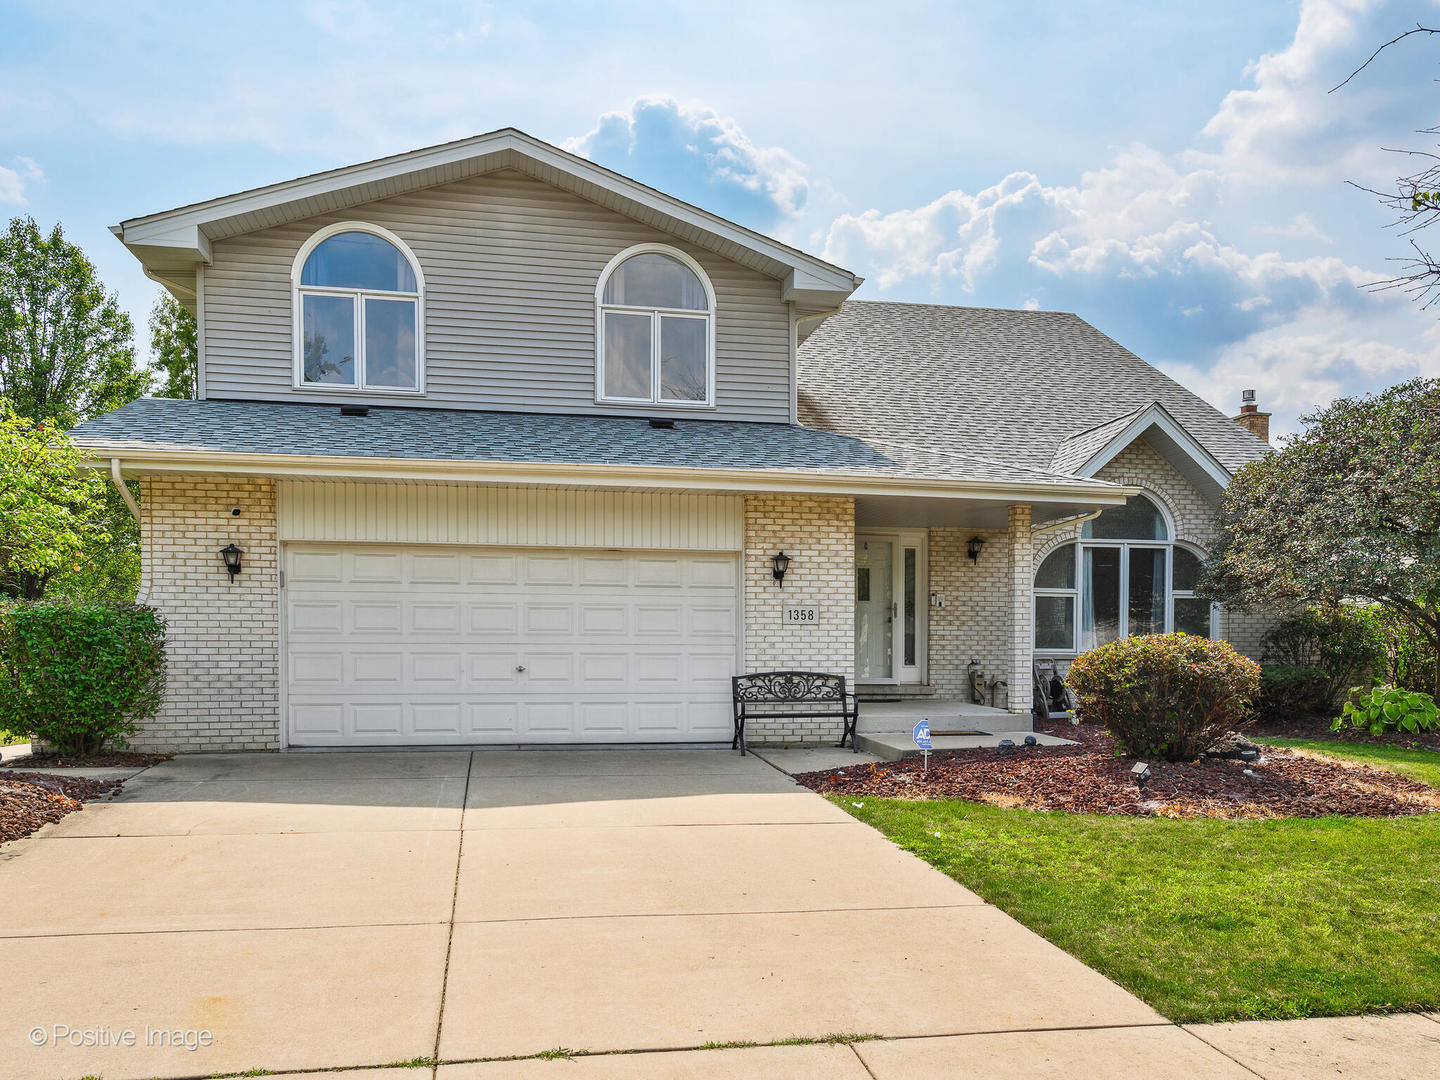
1409, 654
1389, 708
1294, 691
1342, 640
1171, 696
80, 675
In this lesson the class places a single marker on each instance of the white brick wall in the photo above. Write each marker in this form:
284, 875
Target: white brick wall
819, 536
975, 622
223, 638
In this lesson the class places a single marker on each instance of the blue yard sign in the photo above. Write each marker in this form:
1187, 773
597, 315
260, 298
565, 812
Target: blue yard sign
922, 735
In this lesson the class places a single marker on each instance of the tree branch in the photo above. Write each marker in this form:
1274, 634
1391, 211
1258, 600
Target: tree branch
1395, 40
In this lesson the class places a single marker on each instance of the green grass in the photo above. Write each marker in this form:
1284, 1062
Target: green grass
1206, 920
1422, 765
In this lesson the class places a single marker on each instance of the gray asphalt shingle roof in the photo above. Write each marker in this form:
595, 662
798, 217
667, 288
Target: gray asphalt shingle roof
1010, 386
255, 427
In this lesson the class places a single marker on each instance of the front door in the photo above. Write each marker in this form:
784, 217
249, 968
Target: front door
889, 607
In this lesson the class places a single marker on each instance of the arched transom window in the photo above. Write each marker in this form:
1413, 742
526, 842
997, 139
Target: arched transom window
1127, 575
358, 299
655, 332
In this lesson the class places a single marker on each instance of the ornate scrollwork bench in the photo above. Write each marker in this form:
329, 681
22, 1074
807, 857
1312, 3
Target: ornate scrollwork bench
775, 694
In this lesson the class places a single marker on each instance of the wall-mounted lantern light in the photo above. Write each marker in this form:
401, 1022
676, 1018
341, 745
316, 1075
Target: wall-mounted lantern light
231, 554
973, 549
781, 563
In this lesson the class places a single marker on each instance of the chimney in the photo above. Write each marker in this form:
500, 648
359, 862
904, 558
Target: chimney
1251, 418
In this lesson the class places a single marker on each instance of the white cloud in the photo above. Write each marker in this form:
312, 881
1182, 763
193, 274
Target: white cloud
693, 150
13, 181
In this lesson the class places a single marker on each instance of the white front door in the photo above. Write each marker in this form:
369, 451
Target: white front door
408, 645
890, 607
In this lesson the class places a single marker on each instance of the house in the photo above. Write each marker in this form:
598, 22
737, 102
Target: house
496, 446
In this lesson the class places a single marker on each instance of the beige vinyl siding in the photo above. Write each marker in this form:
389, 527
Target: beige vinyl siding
474, 515
510, 267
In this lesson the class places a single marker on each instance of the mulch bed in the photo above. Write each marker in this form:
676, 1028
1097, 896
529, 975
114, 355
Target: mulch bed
108, 759
29, 800
1089, 778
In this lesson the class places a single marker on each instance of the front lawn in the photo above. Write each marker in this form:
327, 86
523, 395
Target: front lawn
1205, 919
1423, 765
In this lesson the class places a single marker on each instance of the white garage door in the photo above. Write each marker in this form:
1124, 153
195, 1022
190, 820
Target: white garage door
411, 645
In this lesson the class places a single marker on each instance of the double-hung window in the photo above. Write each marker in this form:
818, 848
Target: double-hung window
359, 303
655, 330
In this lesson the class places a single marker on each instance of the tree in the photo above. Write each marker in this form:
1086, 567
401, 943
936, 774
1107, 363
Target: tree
51, 507
172, 339
1415, 201
66, 350
1348, 509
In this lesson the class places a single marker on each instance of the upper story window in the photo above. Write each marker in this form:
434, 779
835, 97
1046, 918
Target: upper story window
358, 311
1126, 576
656, 329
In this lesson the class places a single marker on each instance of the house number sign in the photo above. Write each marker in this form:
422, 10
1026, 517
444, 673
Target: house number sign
801, 614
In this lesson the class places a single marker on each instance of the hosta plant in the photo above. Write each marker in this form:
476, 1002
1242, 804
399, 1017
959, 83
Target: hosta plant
1389, 708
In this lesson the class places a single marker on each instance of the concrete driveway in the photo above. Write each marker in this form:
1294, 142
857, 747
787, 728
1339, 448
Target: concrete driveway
314, 911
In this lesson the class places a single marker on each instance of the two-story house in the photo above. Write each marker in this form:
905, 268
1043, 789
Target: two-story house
496, 446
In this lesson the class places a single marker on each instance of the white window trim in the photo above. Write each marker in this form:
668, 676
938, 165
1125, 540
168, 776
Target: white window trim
1079, 545
359, 296
656, 314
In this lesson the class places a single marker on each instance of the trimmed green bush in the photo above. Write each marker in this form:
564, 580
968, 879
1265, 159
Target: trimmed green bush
1171, 696
1389, 708
1343, 641
1294, 692
79, 676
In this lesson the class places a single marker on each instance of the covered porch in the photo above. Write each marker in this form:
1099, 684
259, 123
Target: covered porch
944, 594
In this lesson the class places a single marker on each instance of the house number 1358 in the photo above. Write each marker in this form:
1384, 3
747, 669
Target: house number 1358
802, 613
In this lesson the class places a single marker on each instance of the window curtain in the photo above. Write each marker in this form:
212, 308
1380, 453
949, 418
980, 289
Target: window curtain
1087, 607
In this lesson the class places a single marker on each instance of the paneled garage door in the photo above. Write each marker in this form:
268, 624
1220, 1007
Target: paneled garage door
410, 645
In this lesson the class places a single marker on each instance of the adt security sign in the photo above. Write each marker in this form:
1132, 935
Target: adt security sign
921, 735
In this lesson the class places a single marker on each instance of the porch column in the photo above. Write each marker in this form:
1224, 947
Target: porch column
1022, 583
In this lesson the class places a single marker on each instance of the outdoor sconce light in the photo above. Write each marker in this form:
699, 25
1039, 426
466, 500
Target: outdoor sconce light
231, 554
781, 564
973, 549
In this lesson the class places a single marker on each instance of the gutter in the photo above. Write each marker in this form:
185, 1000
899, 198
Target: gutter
1060, 523
737, 481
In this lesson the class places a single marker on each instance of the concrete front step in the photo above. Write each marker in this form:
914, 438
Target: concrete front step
894, 691
894, 745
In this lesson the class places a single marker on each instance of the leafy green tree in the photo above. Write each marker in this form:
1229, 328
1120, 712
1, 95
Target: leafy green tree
51, 507
172, 340
66, 347
1348, 509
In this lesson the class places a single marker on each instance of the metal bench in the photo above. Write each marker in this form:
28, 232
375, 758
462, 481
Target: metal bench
775, 694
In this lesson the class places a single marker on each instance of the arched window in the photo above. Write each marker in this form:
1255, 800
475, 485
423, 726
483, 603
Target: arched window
655, 312
358, 311
1126, 576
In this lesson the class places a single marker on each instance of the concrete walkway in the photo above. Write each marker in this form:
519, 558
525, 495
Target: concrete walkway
320, 911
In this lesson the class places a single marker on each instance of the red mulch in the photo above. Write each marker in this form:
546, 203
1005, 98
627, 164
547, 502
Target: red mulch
1091, 779
30, 800
107, 759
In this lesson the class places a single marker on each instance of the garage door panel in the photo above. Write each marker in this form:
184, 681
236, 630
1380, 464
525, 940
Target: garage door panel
404, 645
432, 617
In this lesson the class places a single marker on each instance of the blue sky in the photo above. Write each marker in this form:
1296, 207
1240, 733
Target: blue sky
1173, 173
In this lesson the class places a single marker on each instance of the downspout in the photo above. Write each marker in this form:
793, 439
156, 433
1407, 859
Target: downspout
119, 481
124, 491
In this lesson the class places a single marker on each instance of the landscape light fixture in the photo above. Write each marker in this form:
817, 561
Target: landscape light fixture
1141, 771
973, 549
781, 563
231, 554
